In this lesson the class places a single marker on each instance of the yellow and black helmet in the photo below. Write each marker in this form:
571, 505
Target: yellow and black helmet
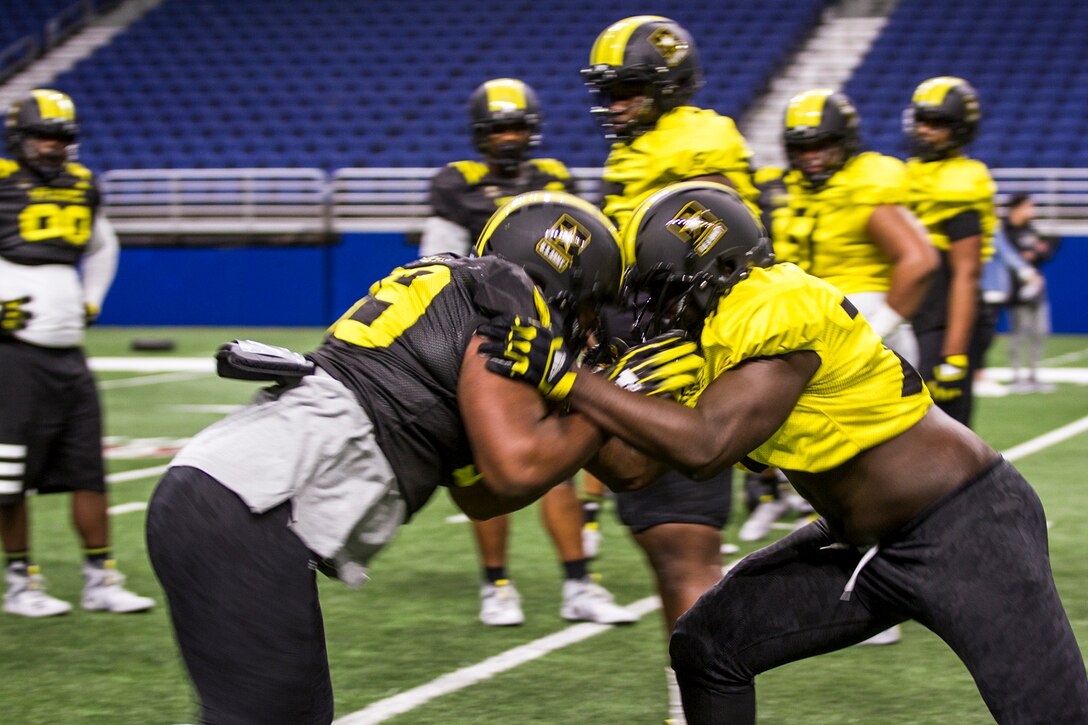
566, 245
946, 101
820, 118
42, 113
645, 55
689, 244
504, 103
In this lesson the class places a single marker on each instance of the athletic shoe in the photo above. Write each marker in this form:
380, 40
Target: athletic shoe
891, 635
759, 522
26, 594
591, 539
103, 591
500, 604
587, 601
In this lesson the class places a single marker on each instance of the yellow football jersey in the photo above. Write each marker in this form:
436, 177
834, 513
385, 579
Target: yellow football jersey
823, 230
862, 395
939, 190
686, 142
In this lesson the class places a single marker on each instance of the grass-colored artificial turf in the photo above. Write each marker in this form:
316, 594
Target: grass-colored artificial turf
416, 619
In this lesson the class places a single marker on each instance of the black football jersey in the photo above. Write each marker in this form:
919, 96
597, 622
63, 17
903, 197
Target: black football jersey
45, 221
467, 193
399, 349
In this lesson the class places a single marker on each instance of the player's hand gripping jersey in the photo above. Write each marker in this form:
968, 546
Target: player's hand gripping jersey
863, 394
823, 229
686, 142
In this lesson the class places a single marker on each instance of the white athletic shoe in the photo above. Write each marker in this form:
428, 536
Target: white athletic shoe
500, 604
759, 522
103, 591
591, 540
586, 601
891, 635
26, 594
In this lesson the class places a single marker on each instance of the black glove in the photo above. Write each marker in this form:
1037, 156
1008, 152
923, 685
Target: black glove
949, 378
664, 365
530, 351
13, 316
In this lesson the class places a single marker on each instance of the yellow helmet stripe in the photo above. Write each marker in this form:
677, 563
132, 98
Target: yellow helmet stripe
609, 47
933, 91
505, 94
807, 109
54, 104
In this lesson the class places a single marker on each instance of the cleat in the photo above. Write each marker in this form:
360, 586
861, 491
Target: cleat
103, 591
759, 523
586, 601
591, 540
500, 604
26, 595
891, 635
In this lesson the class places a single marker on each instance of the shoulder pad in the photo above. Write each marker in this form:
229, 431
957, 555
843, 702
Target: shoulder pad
8, 167
555, 167
473, 171
964, 180
78, 170
876, 179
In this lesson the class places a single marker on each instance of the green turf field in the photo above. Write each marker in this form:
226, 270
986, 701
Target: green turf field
416, 619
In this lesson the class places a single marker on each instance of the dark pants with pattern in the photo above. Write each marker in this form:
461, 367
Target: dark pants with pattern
973, 568
244, 604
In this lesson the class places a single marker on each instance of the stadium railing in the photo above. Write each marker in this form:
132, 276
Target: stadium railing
290, 200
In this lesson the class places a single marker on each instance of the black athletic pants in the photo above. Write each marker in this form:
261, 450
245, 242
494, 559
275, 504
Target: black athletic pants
973, 568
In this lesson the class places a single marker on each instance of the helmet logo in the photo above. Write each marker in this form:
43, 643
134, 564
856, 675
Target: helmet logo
565, 239
694, 224
671, 46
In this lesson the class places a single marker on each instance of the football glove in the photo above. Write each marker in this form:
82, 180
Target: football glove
949, 378
530, 351
664, 365
90, 314
13, 315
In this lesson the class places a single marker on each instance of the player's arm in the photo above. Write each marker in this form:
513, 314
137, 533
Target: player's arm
622, 467
520, 446
99, 265
903, 239
736, 413
965, 264
444, 230
442, 235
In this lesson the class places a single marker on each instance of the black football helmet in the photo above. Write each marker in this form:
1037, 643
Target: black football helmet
821, 119
943, 101
644, 55
567, 246
44, 113
691, 242
504, 103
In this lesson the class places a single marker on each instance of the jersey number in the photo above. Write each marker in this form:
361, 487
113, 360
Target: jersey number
393, 305
49, 221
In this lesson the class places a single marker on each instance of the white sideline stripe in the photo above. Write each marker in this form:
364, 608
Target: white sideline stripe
1044, 375
459, 679
149, 380
382, 710
154, 364
136, 474
127, 508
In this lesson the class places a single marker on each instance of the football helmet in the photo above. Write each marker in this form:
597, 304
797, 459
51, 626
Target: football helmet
504, 103
567, 246
943, 101
645, 55
690, 243
44, 113
820, 119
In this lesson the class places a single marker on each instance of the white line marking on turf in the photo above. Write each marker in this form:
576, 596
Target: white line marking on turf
127, 508
459, 679
1068, 357
149, 380
187, 408
154, 365
382, 710
136, 474
1046, 375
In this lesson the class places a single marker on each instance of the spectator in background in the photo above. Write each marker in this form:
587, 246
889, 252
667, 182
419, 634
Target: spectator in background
1029, 307
506, 123
953, 196
58, 256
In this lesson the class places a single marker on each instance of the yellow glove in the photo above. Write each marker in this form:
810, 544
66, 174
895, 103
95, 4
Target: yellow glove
665, 365
530, 351
949, 378
13, 315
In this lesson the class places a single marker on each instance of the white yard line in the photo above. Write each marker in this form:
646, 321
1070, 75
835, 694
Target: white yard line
408, 700
149, 380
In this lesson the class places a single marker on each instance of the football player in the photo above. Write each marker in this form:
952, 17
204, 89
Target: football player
505, 121
321, 470
58, 255
643, 72
953, 196
921, 519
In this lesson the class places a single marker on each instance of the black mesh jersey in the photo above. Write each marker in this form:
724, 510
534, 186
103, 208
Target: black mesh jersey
399, 349
467, 193
45, 221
